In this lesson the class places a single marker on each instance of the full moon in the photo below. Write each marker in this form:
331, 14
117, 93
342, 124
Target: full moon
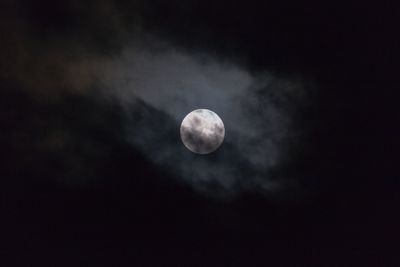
202, 131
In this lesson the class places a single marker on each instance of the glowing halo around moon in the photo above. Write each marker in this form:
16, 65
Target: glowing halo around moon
202, 131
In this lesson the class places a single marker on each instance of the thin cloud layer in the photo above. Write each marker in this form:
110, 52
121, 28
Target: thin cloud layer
157, 81
174, 82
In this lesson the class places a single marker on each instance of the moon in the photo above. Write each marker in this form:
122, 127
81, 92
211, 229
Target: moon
202, 131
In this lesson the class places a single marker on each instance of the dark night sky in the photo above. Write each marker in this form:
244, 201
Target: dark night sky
93, 171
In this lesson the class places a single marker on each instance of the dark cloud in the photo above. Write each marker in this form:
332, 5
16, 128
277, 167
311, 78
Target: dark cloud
169, 75
282, 83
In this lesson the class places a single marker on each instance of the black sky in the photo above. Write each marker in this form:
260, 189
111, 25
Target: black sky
93, 172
